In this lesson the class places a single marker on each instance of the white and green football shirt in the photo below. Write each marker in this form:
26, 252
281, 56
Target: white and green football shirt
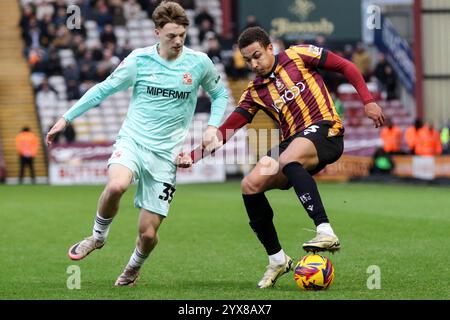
164, 97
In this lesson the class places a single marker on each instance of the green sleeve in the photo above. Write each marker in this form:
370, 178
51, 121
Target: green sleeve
121, 79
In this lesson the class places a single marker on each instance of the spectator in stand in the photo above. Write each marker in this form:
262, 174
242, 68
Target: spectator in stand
101, 15
60, 18
80, 50
380, 71
204, 15
428, 141
107, 65
97, 52
205, 28
118, 18
445, 138
213, 49
63, 38
87, 72
71, 72
27, 16
44, 8
45, 96
348, 52
52, 65
36, 59
411, 135
33, 36
48, 30
391, 84
108, 35
362, 60
69, 133
27, 145
131, 10
392, 137
73, 92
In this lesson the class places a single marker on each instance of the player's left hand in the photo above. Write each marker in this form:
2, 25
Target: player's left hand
374, 112
210, 140
184, 160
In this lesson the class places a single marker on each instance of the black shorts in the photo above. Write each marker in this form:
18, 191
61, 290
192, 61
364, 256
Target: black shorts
329, 149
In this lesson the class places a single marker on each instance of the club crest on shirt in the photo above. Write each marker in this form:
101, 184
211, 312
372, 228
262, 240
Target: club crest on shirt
187, 78
279, 84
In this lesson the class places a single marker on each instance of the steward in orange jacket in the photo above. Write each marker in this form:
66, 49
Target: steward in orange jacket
392, 137
411, 135
428, 142
27, 145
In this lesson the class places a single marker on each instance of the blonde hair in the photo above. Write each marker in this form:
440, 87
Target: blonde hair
169, 12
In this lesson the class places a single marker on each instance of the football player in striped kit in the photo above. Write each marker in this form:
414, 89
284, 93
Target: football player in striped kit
291, 91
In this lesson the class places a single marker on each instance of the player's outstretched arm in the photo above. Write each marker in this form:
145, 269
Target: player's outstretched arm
335, 63
234, 122
122, 78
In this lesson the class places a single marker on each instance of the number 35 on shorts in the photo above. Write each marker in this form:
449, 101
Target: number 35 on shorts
167, 193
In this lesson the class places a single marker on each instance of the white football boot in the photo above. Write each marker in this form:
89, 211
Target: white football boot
273, 272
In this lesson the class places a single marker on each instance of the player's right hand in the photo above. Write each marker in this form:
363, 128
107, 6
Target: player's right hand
210, 140
374, 112
58, 127
184, 160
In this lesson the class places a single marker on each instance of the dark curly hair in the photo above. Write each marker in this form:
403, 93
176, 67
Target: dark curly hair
251, 35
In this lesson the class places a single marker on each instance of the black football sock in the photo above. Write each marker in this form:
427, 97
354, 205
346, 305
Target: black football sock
306, 189
261, 216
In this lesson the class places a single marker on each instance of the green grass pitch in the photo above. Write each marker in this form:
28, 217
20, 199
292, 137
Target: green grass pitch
208, 251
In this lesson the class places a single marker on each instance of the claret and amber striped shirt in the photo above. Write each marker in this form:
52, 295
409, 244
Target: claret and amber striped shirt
294, 94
